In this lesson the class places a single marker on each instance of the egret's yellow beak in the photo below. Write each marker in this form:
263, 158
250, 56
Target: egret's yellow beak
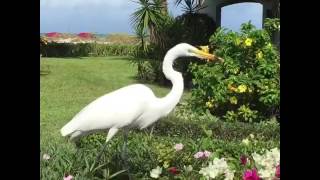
203, 52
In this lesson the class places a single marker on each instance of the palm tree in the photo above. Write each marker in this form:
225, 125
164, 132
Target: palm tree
148, 17
190, 6
142, 36
164, 4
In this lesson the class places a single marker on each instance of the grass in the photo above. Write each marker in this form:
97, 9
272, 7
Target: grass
72, 83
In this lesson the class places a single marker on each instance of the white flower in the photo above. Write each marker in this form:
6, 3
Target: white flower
266, 174
267, 163
256, 157
210, 172
246, 141
221, 164
275, 153
155, 173
188, 168
46, 157
229, 175
178, 147
217, 167
251, 136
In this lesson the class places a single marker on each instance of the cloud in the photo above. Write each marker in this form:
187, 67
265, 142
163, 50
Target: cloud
102, 16
108, 16
86, 3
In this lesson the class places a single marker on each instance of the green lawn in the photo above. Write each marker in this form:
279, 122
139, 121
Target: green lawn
74, 82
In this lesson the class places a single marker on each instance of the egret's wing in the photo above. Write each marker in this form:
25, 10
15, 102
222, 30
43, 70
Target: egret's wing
116, 109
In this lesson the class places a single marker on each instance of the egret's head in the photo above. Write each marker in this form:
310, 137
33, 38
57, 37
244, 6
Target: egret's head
202, 52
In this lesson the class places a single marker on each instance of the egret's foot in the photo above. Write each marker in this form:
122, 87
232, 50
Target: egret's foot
126, 165
124, 156
78, 144
101, 152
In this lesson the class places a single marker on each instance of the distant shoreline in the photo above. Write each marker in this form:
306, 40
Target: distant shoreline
96, 34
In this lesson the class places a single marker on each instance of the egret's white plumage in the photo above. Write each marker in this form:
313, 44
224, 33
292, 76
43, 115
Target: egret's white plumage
133, 105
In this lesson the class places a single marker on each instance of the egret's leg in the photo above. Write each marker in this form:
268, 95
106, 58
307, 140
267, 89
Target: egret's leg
101, 151
124, 153
152, 128
111, 133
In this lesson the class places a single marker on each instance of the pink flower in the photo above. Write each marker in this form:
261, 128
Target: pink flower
201, 154
250, 175
178, 147
198, 155
243, 160
69, 177
278, 171
173, 170
206, 154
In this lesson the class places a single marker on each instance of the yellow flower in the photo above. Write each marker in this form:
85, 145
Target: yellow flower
269, 45
242, 88
238, 41
233, 100
259, 55
246, 141
166, 164
248, 42
231, 88
209, 104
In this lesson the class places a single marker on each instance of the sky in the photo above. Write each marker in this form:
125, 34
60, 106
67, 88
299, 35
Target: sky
112, 16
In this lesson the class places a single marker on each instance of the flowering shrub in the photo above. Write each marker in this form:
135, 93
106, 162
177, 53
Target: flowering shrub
85, 35
253, 167
246, 87
174, 155
53, 34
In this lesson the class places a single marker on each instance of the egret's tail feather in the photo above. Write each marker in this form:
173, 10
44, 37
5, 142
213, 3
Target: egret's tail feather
66, 130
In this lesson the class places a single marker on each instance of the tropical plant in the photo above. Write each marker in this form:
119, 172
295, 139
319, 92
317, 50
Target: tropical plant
148, 17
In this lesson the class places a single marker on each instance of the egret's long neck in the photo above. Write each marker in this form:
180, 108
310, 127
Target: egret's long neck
171, 100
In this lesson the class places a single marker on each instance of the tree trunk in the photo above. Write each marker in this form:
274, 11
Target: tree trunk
276, 9
164, 4
153, 38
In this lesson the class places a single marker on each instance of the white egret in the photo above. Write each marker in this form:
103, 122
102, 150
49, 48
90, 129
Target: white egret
133, 105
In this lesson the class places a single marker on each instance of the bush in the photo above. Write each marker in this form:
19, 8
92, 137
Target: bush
86, 49
246, 87
198, 126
